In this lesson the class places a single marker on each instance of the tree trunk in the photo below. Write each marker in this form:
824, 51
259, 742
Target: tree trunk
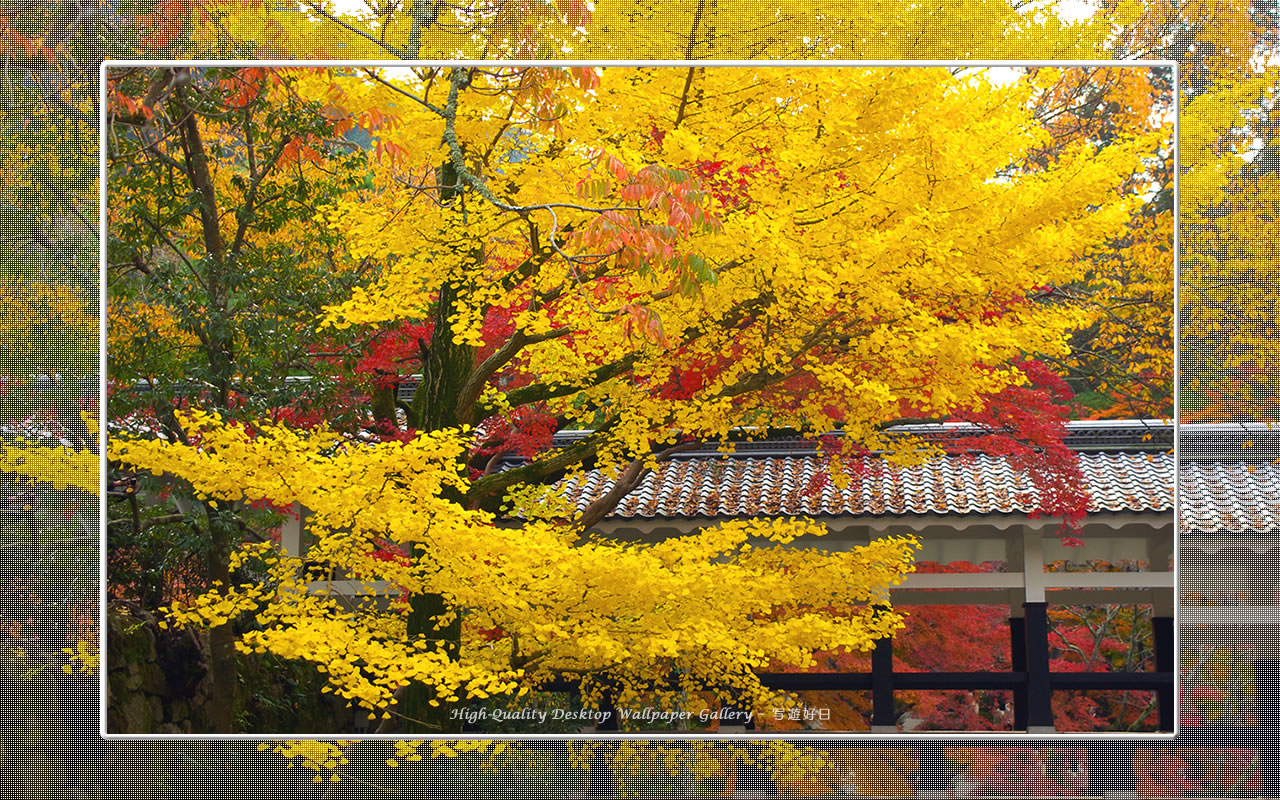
419, 716
223, 668
446, 365
383, 405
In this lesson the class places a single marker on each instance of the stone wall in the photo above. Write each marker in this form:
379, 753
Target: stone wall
158, 682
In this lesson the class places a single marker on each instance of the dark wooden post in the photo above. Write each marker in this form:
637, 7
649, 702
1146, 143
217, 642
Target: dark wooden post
1022, 553
933, 775
735, 719
600, 778
1266, 682
1110, 767
1039, 694
883, 718
1162, 633
756, 779
611, 723
1018, 663
1160, 559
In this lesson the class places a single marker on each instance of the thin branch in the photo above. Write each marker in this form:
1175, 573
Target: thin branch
316, 8
547, 391
631, 477
688, 81
476, 381
166, 519
486, 489
245, 214
164, 237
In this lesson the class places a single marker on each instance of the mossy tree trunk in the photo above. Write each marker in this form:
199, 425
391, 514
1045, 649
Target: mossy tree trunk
446, 368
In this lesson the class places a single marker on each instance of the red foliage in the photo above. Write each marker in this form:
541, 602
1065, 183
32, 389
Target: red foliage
304, 420
388, 551
1198, 771
691, 376
1027, 425
10, 38
391, 350
1020, 772
947, 638
843, 457
729, 185
244, 85
1161, 774
639, 241
497, 327
524, 432
268, 504
162, 26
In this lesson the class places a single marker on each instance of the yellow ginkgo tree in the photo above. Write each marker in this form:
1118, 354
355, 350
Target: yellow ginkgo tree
656, 257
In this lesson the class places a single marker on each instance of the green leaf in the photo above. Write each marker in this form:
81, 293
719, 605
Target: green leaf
698, 266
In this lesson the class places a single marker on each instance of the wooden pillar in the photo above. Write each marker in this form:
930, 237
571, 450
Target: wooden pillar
933, 776
609, 724
1159, 559
883, 718
735, 719
1266, 671
746, 776
1111, 767
291, 532
1035, 612
1039, 695
1266, 681
1015, 559
1166, 661
755, 780
600, 782
1018, 657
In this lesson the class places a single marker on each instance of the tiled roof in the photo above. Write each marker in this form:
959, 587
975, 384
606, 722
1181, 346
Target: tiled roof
1221, 496
770, 485
1082, 436
1224, 496
1229, 477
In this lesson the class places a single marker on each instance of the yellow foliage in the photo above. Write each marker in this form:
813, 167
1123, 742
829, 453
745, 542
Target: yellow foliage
58, 467
610, 29
37, 316
755, 247
881, 225
712, 604
83, 658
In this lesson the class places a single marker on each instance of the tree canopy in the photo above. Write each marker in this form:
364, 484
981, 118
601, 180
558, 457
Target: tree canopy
1222, 48
655, 256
